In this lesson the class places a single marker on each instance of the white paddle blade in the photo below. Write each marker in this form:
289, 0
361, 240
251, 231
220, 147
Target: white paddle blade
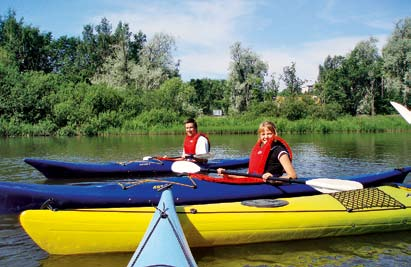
404, 112
147, 158
185, 167
327, 185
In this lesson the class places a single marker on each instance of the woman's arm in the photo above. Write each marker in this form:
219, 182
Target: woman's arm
288, 167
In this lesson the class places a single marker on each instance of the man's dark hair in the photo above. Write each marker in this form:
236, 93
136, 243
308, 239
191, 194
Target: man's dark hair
191, 120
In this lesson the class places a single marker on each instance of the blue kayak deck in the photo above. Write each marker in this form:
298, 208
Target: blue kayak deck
54, 169
16, 197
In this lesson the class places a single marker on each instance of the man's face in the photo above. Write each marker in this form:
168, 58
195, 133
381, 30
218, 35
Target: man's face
190, 129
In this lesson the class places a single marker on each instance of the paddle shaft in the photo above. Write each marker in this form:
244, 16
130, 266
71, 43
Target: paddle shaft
324, 185
271, 179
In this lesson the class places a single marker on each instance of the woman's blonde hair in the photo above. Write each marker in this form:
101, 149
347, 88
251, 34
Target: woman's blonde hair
269, 125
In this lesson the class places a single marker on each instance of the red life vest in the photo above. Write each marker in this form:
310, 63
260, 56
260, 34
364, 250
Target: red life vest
259, 154
190, 143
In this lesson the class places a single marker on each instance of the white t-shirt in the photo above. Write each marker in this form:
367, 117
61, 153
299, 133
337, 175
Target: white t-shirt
202, 146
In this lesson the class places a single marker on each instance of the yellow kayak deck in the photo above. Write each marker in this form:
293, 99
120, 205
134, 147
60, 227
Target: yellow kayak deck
369, 210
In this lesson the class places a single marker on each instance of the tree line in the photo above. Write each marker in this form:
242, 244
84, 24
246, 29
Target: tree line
111, 78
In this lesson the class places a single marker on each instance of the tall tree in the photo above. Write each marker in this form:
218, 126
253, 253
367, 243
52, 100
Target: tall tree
136, 45
63, 56
210, 94
292, 82
397, 60
156, 63
28, 47
246, 78
364, 70
158, 53
271, 87
115, 70
331, 81
86, 59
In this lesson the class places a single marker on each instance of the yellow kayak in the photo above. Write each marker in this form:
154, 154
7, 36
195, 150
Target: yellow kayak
370, 210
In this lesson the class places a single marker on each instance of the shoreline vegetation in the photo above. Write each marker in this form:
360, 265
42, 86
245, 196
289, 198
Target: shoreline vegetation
245, 125
239, 125
115, 82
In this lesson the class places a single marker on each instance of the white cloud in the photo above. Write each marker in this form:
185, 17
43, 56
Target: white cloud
205, 30
202, 23
213, 64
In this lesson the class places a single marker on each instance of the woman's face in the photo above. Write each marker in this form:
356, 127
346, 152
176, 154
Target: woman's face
265, 135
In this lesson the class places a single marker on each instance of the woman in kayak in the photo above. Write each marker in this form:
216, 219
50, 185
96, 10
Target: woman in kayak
271, 156
195, 143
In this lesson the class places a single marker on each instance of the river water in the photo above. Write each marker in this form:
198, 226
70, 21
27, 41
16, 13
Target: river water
314, 156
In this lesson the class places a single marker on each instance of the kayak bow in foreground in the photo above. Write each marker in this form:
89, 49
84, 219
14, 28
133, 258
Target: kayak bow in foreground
163, 243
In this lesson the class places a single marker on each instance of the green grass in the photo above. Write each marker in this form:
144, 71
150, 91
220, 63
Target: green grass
247, 125
227, 125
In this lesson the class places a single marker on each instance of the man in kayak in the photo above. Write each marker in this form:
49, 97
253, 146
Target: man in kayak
195, 143
271, 156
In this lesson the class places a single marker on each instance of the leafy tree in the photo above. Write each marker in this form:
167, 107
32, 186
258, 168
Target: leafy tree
352, 81
158, 54
28, 48
119, 66
331, 81
210, 94
246, 78
9, 80
175, 95
292, 82
271, 88
105, 39
63, 57
397, 60
137, 45
156, 63
27, 100
364, 71
115, 70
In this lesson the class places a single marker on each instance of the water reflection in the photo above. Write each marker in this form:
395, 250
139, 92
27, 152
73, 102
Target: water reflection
314, 156
387, 249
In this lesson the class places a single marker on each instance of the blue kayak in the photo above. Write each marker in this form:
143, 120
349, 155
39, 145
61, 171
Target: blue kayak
164, 242
16, 197
54, 169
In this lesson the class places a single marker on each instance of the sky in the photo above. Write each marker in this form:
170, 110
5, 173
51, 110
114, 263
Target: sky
278, 31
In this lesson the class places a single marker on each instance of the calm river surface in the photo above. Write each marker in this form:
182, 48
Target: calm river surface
314, 156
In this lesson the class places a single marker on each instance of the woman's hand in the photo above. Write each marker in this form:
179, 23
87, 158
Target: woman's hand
220, 171
266, 176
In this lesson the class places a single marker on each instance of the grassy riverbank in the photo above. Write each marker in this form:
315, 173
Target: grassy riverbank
246, 124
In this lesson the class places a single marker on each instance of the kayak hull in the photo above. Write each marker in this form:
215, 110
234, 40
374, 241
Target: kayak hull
206, 225
16, 197
163, 243
54, 169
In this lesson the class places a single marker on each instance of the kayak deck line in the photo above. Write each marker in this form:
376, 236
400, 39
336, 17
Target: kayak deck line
145, 162
166, 183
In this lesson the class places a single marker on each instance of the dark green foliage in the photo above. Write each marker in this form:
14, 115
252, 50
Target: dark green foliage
294, 108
